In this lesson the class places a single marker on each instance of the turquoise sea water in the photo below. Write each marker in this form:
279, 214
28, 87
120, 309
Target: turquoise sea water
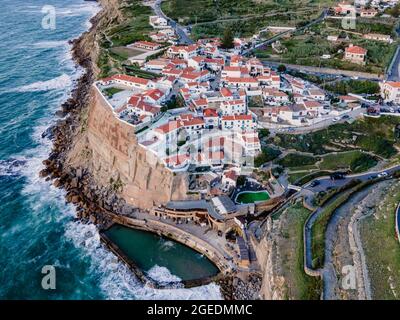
37, 228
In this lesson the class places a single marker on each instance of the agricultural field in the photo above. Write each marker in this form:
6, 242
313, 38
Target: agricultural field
372, 135
133, 27
246, 17
308, 47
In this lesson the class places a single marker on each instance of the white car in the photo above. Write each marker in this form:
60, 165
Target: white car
336, 119
383, 174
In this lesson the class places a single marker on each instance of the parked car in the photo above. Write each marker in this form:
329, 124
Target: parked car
346, 116
314, 183
336, 119
337, 176
383, 175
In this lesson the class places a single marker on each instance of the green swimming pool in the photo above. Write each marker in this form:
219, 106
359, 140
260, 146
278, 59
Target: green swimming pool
252, 197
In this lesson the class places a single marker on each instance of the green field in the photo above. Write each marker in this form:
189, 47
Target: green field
132, 26
252, 197
299, 285
376, 135
356, 161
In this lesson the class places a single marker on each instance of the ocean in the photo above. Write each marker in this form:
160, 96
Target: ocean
37, 227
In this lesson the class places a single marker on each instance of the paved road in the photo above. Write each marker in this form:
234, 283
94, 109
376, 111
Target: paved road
179, 30
327, 182
324, 184
321, 71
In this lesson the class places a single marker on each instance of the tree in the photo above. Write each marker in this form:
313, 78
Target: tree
227, 39
281, 68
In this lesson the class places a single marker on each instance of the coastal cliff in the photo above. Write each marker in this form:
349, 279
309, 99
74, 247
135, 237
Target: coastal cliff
92, 140
107, 147
273, 286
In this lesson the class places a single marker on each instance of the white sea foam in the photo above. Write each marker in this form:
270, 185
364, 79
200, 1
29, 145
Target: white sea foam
50, 44
78, 10
62, 82
162, 275
11, 167
167, 245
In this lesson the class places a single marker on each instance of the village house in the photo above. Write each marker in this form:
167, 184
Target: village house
246, 83
146, 45
163, 35
214, 64
234, 72
390, 91
314, 108
345, 8
355, 54
256, 68
183, 52
211, 118
158, 22
229, 179
242, 122
368, 12
378, 37
316, 94
233, 107
272, 80
128, 82
156, 65
197, 62
274, 97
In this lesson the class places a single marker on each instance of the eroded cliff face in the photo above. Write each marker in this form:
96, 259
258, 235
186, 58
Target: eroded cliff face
108, 148
273, 283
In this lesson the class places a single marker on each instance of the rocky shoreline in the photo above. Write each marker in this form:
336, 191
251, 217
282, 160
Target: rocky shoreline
93, 201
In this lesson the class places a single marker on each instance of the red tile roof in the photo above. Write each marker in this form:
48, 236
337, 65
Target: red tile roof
208, 113
356, 50
237, 117
124, 77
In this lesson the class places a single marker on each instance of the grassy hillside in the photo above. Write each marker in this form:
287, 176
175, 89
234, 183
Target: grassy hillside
245, 16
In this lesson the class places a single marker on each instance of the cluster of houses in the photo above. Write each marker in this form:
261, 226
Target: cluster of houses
213, 125
212, 122
363, 8
163, 32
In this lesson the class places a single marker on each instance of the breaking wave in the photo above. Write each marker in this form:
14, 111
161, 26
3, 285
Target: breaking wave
62, 82
11, 167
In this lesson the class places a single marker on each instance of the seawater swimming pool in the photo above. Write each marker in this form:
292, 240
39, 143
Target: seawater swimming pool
148, 250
